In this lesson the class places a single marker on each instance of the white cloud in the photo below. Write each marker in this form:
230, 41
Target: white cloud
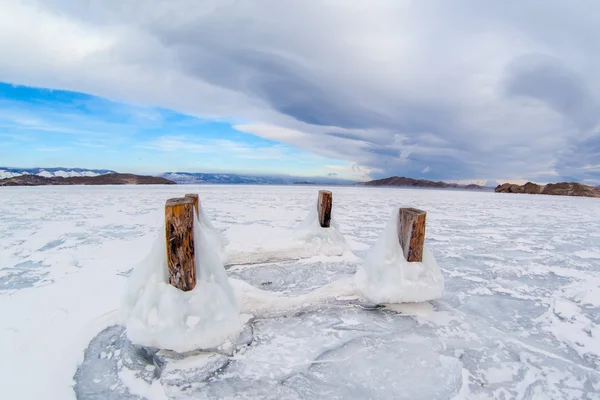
351, 172
227, 148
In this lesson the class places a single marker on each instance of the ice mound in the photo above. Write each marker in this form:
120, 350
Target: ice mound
159, 315
386, 276
326, 241
252, 244
213, 237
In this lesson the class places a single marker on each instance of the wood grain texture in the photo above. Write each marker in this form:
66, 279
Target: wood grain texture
179, 224
196, 199
324, 207
411, 233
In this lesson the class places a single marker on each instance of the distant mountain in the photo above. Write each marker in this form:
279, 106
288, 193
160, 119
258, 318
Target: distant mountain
235, 179
422, 183
6, 172
105, 179
178, 177
555, 189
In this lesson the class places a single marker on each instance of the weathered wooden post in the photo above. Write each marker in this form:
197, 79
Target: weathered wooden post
411, 233
179, 223
324, 208
194, 196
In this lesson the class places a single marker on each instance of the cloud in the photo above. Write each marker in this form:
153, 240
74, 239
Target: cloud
211, 146
45, 149
464, 89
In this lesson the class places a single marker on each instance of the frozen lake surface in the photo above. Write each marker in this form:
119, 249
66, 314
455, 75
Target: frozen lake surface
520, 315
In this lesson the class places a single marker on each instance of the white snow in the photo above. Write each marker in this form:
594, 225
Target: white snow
257, 301
138, 387
518, 317
6, 174
159, 315
386, 276
89, 173
257, 243
48, 174
45, 174
65, 174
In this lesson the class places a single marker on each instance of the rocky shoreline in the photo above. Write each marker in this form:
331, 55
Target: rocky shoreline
553, 189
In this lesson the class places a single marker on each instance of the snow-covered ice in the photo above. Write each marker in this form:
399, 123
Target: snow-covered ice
260, 243
519, 316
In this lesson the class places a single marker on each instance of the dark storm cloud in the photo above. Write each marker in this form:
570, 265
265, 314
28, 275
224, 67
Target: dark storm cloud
285, 87
547, 79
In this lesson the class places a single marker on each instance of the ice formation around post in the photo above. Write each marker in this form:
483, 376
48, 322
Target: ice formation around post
156, 314
207, 227
386, 276
257, 243
327, 241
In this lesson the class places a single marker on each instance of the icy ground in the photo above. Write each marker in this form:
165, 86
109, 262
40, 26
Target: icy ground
519, 317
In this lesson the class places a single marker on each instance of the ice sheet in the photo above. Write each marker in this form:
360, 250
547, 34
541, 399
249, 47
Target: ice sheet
520, 309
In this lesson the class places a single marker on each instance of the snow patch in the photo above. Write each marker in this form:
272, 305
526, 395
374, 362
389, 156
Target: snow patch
588, 254
424, 312
139, 387
386, 276
51, 172
7, 174
253, 244
257, 301
566, 322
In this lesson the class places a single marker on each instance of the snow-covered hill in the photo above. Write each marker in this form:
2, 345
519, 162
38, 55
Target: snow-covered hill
178, 177
6, 172
233, 179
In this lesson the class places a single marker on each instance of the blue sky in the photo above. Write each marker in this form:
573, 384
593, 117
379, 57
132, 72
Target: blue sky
50, 128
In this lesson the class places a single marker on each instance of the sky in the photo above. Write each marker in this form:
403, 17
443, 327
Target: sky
468, 90
51, 128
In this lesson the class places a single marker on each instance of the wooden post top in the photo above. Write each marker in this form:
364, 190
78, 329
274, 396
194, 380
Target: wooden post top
179, 201
412, 210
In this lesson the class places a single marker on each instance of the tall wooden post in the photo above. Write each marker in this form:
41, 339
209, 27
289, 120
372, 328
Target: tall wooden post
179, 223
324, 208
411, 233
194, 196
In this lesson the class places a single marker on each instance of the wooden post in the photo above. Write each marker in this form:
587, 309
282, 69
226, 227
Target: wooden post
324, 208
411, 233
179, 223
194, 196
